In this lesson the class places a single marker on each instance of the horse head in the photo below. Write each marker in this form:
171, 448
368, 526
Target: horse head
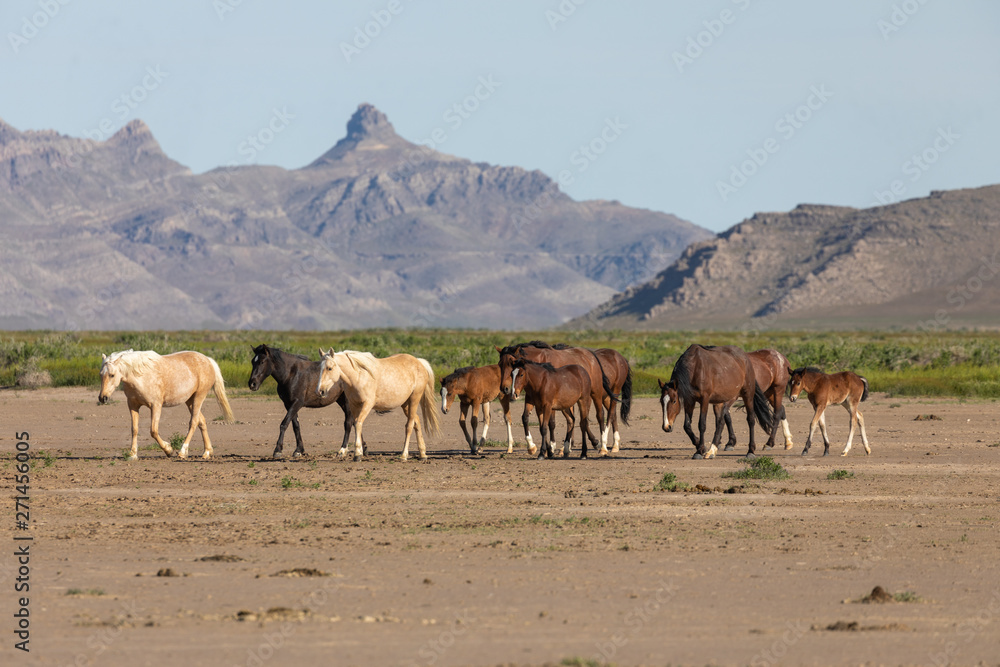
518, 379
508, 356
263, 365
795, 379
669, 403
329, 372
111, 377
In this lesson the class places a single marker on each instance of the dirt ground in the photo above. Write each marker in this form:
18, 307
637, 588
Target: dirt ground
501, 559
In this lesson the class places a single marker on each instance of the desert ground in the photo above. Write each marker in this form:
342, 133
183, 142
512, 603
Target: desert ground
501, 559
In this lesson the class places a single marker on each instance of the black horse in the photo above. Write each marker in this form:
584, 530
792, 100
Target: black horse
297, 377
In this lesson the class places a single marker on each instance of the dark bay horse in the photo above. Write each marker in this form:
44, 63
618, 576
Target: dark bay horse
475, 387
296, 376
847, 388
549, 389
771, 371
558, 356
706, 375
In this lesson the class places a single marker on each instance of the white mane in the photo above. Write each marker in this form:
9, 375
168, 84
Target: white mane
366, 360
130, 361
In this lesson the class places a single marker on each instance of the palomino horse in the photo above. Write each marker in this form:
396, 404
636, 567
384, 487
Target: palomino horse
381, 385
551, 389
155, 382
708, 375
296, 376
476, 387
847, 388
559, 356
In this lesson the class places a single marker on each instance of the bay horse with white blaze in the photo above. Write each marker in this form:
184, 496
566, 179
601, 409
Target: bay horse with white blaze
154, 381
476, 387
707, 375
401, 380
549, 389
846, 388
296, 376
558, 356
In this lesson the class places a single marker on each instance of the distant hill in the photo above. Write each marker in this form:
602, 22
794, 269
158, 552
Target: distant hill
377, 231
923, 263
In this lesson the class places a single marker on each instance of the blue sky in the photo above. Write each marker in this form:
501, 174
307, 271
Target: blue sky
710, 110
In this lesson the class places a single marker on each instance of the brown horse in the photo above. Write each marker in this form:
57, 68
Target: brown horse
558, 356
476, 387
771, 369
551, 389
847, 388
708, 375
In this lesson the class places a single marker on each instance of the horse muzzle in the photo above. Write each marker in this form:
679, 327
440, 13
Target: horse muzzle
102, 399
254, 385
668, 429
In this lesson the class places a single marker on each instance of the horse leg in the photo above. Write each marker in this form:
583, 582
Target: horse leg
585, 431
474, 444
570, 423
864, 436
194, 406
852, 411
203, 426
300, 448
133, 452
748, 400
348, 425
486, 424
359, 421
702, 424
532, 450
781, 415
154, 429
408, 411
291, 412
463, 410
505, 404
826, 435
688, 414
417, 426
813, 423
720, 419
603, 422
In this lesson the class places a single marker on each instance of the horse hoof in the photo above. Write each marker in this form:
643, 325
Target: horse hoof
423, 457
728, 447
805, 452
788, 446
750, 456
298, 455
278, 454
357, 457
698, 455
614, 450
133, 457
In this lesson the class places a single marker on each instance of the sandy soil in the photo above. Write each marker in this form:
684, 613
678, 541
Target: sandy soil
502, 559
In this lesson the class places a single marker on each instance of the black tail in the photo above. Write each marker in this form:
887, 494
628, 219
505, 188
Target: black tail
762, 410
864, 396
626, 405
608, 389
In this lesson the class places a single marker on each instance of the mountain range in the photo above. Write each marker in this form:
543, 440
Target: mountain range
377, 231
929, 263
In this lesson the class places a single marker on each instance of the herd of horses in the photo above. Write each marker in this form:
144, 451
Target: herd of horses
552, 378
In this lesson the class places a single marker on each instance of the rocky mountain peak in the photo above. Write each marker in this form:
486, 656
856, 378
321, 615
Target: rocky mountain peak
367, 122
7, 133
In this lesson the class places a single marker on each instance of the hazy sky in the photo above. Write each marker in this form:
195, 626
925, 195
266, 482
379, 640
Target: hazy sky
710, 110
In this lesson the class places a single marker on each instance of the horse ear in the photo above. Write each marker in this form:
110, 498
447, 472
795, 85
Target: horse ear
497, 348
660, 382
321, 353
104, 357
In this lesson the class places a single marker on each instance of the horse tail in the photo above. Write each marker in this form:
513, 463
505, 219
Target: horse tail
220, 393
762, 409
605, 383
626, 404
864, 395
428, 403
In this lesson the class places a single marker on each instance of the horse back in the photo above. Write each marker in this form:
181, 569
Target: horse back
178, 376
716, 374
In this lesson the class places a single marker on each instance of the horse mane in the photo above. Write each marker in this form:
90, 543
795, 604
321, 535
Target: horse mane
263, 347
808, 369
456, 374
681, 377
521, 363
366, 360
132, 362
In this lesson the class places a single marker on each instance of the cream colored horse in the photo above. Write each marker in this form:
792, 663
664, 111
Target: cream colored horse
382, 384
155, 382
